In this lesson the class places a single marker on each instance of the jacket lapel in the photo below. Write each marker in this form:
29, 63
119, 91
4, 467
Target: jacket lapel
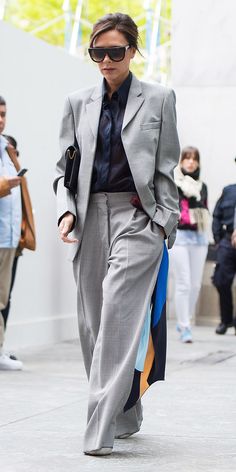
89, 142
134, 102
93, 109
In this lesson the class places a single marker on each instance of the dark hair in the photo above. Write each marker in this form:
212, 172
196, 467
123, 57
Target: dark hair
116, 21
2, 101
187, 151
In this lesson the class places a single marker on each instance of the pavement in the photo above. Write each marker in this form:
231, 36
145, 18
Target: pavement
189, 420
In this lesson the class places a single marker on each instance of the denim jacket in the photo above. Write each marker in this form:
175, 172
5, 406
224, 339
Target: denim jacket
10, 206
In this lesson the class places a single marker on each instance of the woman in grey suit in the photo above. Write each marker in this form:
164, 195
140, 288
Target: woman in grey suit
125, 206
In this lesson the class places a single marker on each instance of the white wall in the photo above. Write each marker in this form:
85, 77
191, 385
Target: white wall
35, 79
204, 78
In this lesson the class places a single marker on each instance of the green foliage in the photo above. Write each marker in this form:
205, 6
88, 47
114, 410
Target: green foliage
46, 20
29, 16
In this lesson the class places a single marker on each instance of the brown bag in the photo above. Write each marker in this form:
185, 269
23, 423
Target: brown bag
28, 238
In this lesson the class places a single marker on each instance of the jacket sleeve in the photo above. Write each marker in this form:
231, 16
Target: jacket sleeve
217, 220
65, 200
167, 209
4, 187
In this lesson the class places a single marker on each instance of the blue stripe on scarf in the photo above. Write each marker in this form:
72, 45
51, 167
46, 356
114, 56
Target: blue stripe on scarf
161, 288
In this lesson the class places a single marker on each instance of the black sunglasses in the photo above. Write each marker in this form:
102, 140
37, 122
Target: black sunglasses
116, 53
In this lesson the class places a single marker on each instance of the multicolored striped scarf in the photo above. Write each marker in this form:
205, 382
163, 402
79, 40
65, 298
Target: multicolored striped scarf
151, 358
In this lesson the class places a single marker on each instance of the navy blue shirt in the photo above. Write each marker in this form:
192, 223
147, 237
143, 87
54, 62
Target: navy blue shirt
111, 171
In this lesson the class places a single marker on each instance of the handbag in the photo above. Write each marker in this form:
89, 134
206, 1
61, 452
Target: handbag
73, 157
28, 238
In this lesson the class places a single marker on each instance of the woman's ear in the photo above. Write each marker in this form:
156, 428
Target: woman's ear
132, 52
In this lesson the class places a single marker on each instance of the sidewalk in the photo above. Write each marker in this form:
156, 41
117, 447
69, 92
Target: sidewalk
189, 420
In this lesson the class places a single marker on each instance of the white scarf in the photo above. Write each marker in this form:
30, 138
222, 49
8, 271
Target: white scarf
192, 188
189, 186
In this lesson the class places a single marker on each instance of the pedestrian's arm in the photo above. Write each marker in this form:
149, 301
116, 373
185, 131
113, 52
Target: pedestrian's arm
217, 228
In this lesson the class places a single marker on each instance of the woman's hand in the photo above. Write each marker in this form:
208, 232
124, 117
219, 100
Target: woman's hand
233, 239
65, 228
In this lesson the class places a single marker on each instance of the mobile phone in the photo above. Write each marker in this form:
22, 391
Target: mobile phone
21, 172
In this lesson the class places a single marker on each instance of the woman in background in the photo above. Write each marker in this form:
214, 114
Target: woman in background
189, 253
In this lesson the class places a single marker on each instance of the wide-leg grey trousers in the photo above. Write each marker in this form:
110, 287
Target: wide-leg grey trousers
115, 272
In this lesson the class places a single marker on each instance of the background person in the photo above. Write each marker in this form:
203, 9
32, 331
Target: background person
6, 310
189, 253
126, 204
223, 225
10, 230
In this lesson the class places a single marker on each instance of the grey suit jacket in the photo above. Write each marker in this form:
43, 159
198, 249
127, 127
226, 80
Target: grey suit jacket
151, 144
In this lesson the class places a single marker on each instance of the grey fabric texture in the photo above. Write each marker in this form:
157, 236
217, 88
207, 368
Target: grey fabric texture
115, 273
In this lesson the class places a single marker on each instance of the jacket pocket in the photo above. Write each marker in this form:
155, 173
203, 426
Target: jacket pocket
151, 125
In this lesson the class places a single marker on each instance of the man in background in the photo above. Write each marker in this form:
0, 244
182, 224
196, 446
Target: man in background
10, 230
225, 237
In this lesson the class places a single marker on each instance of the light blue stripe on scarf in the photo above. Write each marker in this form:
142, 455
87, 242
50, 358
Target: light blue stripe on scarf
143, 344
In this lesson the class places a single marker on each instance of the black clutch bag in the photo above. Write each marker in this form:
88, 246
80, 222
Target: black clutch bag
72, 156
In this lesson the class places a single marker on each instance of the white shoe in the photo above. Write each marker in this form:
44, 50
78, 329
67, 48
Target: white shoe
104, 451
7, 363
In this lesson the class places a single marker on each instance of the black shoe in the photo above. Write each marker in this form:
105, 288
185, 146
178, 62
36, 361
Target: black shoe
234, 325
222, 328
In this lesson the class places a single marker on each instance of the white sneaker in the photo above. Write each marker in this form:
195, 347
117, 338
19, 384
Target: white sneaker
7, 363
186, 335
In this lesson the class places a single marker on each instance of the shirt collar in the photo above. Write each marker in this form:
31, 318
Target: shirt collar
3, 143
122, 92
3, 140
